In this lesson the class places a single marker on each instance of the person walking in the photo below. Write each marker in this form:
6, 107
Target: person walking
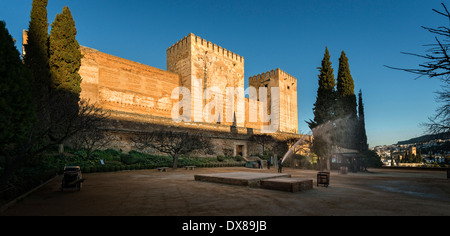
280, 166
268, 164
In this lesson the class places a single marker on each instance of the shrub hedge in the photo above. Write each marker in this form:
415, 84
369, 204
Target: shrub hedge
33, 174
114, 160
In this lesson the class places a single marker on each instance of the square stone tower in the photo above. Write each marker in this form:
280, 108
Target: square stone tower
201, 65
287, 84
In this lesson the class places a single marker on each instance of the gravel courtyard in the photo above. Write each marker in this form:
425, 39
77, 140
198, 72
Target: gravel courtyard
382, 192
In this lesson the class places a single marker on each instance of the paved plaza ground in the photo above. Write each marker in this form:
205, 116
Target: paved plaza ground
176, 193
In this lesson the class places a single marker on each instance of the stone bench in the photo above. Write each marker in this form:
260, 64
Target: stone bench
239, 178
287, 184
189, 167
161, 169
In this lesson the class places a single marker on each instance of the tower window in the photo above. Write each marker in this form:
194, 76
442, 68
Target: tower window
288, 87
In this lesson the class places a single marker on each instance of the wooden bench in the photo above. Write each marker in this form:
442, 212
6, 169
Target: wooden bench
161, 169
189, 167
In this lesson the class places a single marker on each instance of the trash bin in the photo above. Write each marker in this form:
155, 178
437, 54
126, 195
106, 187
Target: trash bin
323, 178
343, 170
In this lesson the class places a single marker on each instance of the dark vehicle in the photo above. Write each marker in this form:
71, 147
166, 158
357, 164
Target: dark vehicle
72, 178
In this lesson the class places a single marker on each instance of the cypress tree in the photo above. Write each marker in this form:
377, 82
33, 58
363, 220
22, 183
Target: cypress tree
324, 113
36, 51
346, 130
362, 124
65, 62
20, 87
17, 111
324, 106
346, 98
16, 93
65, 55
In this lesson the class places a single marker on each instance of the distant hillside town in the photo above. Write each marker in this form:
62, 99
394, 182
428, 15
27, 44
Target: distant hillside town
424, 151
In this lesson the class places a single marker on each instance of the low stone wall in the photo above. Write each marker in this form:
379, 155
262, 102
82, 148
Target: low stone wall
121, 127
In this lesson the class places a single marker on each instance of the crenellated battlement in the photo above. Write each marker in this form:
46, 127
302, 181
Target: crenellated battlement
263, 76
186, 42
288, 77
181, 44
272, 73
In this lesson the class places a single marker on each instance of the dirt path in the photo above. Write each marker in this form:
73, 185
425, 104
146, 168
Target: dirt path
175, 193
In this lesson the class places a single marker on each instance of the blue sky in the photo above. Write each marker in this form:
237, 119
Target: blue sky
290, 35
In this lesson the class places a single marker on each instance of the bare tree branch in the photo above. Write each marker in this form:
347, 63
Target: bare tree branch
67, 120
437, 65
172, 143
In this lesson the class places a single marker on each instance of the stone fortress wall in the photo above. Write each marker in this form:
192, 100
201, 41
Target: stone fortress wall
287, 84
138, 96
201, 65
122, 85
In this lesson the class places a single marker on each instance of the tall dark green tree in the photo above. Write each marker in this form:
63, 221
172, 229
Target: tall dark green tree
346, 98
321, 126
65, 62
16, 93
346, 132
36, 52
324, 106
362, 135
65, 55
14, 152
59, 116
17, 111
